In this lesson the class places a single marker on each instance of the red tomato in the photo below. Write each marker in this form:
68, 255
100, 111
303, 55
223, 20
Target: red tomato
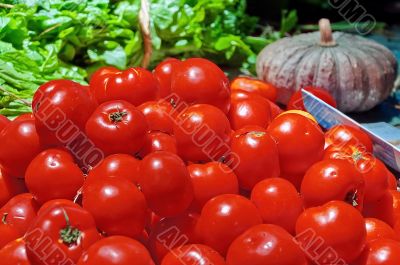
55, 203
165, 182
278, 202
193, 254
379, 229
60, 102
69, 230
170, 233
117, 127
211, 179
265, 244
202, 134
376, 180
224, 218
382, 251
200, 81
163, 73
116, 250
345, 135
381, 209
395, 203
19, 212
300, 143
117, 205
14, 253
254, 86
9, 187
135, 85
116, 165
8, 233
98, 77
334, 232
257, 156
25, 116
250, 111
296, 100
158, 141
392, 181
19, 145
3, 122
53, 175
158, 115
333, 179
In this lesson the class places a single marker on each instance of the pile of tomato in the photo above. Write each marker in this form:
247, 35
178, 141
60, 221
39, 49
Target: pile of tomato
182, 166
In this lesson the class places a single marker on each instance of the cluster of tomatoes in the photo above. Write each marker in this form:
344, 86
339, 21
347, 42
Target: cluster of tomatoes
181, 166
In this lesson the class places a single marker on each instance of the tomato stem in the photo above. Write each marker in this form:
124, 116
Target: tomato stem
117, 116
352, 198
69, 234
3, 219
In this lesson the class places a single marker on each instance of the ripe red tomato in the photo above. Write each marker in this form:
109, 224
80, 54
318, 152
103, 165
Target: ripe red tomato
333, 179
25, 116
202, 134
59, 102
98, 79
19, 145
116, 165
135, 85
392, 181
209, 180
395, 203
158, 141
8, 233
170, 233
165, 182
250, 111
238, 95
382, 251
254, 86
296, 100
200, 81
300, 143
69, 230
381, 209
278, 202
376, 180
9, 187
257, 156
345, 135
53, 175
19, 212
163, 73
334, 232
158, 115
117, 205
379, 229
14, 253
117, 127
224, 218
3, 122
116, 250
55, 203
265, 244
193, 254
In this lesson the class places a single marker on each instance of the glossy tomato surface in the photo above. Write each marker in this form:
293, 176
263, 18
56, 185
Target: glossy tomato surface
163, 73
193, 254
14, 253
296, 100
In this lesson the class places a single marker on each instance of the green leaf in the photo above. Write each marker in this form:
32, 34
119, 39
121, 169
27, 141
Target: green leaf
288, 21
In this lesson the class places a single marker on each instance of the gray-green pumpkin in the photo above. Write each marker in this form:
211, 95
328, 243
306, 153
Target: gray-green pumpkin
358, 72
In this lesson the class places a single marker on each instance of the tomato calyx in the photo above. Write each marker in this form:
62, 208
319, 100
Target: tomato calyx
352, 198
69, 235
4, 218
117, 116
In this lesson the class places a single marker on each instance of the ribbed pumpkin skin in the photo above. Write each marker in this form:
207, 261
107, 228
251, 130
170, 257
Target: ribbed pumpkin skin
358, 72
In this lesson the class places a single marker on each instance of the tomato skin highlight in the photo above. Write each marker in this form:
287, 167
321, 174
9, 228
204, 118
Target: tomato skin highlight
225, 217
117, 206
200, 81
158, 141
333, 179
53, 175
336, 225
378, 229
117, 127
265, 244
381, 251
158, 116
163, 73
193, 254
300, 143
278, 201
116, 250
255, 86
296, 100
345, 135
135, 85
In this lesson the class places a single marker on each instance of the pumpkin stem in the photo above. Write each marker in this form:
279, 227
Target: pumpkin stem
325, 31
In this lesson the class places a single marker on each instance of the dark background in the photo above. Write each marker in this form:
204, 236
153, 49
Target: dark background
310, 10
